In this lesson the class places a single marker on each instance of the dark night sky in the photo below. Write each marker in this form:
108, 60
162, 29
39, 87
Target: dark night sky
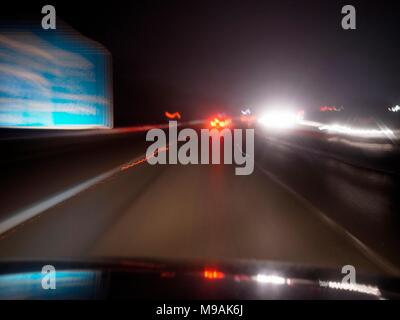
208, 55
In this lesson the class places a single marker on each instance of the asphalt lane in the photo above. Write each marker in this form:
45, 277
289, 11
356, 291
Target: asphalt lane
209, 213
201, 212
364, 202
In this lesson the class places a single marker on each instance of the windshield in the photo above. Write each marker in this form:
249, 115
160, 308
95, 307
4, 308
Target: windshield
202, 131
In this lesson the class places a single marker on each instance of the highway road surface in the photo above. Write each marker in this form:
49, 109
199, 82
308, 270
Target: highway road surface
195, 212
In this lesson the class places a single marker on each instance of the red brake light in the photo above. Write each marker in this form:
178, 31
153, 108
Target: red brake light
217, 123
213, 274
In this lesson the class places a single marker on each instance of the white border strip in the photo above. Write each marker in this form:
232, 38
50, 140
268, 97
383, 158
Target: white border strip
20, 217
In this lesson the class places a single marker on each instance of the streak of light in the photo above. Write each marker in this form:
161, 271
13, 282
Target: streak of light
142, 160
362, 288
271, 279
335, 128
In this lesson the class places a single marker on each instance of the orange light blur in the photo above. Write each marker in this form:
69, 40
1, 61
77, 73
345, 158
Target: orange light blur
213, 274
175, 115
142, 160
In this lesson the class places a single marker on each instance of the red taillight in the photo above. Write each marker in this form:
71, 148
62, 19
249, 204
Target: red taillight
214, 123
212, 274
217, 123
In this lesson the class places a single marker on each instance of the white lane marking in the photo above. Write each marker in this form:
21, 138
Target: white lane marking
26, 214
364, 249
20, 217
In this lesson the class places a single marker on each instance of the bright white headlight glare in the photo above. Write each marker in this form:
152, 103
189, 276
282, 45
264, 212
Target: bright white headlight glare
279, 119
271, 279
